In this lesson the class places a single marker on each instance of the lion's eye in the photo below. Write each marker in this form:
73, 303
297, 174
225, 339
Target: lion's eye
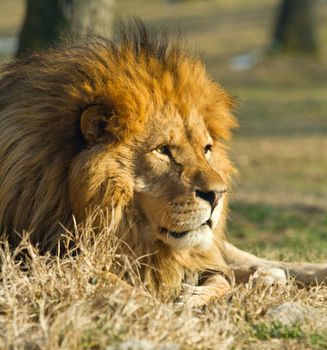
163, 150
207, 150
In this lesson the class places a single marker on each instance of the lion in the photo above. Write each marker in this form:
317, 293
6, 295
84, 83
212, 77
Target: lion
136, 128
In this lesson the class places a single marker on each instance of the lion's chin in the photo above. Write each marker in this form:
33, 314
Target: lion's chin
200, 237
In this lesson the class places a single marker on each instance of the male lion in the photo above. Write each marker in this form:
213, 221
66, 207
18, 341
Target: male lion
137, 129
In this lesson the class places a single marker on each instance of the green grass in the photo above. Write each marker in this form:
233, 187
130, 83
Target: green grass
303, 231
318, 341
265, 331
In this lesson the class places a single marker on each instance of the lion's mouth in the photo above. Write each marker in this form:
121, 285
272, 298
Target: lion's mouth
181, 234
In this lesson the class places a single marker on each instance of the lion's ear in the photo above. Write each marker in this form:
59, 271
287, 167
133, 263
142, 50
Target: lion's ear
94, 124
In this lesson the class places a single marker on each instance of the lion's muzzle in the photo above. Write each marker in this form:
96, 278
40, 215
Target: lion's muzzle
191, 222
180, 216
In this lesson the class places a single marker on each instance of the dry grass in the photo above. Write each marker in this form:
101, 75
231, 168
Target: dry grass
48, 302
72, 302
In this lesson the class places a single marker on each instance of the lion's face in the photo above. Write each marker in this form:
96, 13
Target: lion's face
155, 143
179, 188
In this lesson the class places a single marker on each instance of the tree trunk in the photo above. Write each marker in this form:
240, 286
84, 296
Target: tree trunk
47, 21
90, 16
294, 32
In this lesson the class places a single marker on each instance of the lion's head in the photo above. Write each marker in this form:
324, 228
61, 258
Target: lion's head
134, 127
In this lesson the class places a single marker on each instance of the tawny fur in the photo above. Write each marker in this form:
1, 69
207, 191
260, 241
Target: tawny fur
71, 125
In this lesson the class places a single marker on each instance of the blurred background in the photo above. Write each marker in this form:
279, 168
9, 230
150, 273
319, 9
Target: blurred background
272, 55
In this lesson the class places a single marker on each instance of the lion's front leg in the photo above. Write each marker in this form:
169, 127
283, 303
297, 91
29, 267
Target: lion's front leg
244, 264
213, 287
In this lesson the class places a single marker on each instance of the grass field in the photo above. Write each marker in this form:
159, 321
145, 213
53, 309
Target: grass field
279, 205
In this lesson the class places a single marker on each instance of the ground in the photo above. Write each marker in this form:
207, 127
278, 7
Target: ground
278, 209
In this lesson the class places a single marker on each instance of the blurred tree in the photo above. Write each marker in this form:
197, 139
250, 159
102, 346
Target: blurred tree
46, 21
294, 29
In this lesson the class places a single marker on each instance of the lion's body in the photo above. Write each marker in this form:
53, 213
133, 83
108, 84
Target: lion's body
57, 162
47, 173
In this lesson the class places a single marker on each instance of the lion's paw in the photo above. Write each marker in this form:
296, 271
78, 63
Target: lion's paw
197, 296
270, 276
194, 296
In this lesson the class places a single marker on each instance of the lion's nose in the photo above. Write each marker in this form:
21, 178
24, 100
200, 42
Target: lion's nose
212, 197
